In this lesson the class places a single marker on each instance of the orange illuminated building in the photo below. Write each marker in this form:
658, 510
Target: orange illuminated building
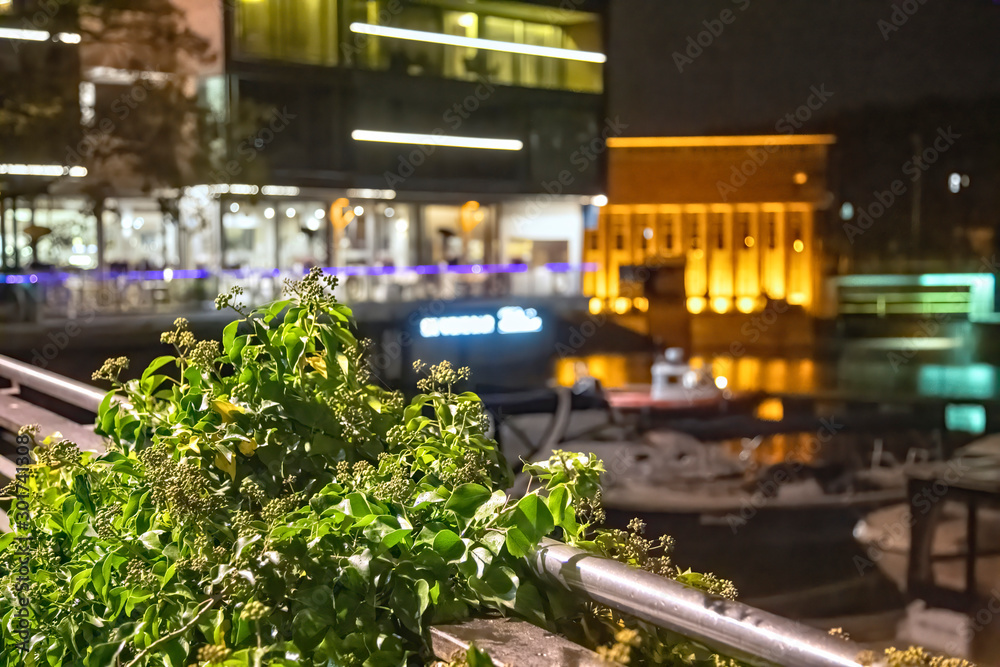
738, 212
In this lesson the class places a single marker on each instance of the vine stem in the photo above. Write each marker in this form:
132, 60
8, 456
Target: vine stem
205, 606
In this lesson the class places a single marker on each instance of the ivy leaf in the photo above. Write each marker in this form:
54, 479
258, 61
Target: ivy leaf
81, 489
226, 462
318, 362
105, 654
531, 522
248, 447
156, 365
449, 546
225, 409
465, 499
476, 658
308, 628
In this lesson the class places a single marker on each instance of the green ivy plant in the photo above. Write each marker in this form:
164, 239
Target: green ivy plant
264, 502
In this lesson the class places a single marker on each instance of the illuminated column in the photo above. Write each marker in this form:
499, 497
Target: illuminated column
696, 272
619, 247
772, 252
644, 236
592, 255
746, 241
800, 256
603, 253
669, 231
720, 253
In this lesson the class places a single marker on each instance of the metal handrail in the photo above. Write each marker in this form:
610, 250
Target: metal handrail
735, 629
51, 384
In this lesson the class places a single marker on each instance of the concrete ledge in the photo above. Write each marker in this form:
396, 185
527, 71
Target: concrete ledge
511, 643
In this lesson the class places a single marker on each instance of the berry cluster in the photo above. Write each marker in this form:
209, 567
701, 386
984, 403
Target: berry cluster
629, 546
620, 653
181, 337
591, 510
228, 300
396, 488
918, 657
62, 453
279, 507
180, 487
104, 522
243, 524
137, 573
111, 369
255, 611
254, 492
196, 564
312, 290
204, 353
471, 467
441, 376
352, 413
213, 655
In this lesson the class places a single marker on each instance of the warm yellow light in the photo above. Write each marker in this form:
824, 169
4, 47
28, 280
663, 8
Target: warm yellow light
711, 141
721, 382
721, 304
745, 304
640, 303
798, 246
622, 305
696, 305
796, 298
475, 43
801, 177
595, 306
467, 20
471, 216
748, 241
771, 409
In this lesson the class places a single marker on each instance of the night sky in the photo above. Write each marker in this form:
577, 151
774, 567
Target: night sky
766, 60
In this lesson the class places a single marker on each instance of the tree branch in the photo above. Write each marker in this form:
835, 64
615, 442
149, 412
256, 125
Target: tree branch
205, 606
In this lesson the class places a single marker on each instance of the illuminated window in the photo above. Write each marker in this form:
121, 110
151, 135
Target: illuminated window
295, 30
432, 38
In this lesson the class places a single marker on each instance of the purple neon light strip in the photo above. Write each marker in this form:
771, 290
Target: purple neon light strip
189, 274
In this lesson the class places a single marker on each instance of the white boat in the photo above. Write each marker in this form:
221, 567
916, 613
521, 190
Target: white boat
675, 380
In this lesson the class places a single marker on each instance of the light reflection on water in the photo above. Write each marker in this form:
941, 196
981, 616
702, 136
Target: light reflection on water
862, 376
746, 374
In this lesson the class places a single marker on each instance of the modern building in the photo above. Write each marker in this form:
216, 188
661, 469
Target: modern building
390, 139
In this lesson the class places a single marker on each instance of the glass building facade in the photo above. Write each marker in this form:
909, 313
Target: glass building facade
507, 43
